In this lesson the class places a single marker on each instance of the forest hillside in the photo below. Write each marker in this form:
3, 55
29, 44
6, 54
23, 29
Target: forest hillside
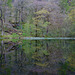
37, 18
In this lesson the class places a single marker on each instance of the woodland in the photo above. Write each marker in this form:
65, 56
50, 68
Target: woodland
37, 18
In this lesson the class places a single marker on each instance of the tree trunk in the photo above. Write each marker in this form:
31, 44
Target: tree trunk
16, 17
36, 31
1, 21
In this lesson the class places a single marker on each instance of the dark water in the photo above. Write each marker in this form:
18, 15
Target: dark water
37, 57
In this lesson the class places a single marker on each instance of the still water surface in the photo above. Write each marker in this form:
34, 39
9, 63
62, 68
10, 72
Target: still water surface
37, 57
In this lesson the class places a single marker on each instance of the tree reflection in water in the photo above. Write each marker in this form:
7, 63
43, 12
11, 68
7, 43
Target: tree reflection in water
37, 57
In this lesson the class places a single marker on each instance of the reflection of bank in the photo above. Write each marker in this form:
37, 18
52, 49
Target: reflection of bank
71, 59
8, 53
34, 57
38, 62
45, 62
2, 56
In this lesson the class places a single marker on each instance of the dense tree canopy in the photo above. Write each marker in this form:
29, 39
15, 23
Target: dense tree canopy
37, 18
